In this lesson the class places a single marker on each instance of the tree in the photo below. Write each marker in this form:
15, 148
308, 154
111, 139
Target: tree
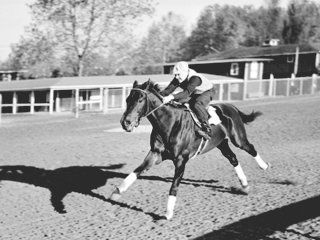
34, 52
273, 20
83, 27
218, 28
162, 43
302, 24
202, 37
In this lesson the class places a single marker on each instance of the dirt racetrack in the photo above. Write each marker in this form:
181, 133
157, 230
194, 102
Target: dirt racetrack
53, 173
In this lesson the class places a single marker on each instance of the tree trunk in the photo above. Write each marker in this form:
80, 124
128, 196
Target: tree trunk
80, 66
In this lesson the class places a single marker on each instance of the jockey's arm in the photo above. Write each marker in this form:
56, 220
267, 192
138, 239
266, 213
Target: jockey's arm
188, 88
171, 87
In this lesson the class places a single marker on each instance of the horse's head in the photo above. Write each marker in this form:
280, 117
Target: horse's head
138, 104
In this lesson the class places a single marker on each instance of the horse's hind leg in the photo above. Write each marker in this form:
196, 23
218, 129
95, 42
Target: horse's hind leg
148, 162
227, 152
239, 139
249, 148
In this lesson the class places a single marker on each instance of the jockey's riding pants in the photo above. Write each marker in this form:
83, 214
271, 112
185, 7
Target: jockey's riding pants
199, 103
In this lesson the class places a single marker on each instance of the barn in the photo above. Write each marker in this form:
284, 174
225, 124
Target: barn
258, 66
258, 62
96, 93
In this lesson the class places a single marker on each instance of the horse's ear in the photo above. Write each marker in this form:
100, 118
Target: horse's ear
135, 83
157, 87
148, 83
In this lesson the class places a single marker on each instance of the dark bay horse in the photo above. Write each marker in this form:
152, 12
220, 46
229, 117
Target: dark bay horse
174, 136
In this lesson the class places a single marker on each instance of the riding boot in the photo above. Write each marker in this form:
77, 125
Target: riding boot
205, 131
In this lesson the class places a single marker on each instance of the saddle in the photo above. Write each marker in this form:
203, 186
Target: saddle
214, 119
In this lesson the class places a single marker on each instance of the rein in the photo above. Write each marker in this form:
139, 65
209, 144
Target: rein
146, 93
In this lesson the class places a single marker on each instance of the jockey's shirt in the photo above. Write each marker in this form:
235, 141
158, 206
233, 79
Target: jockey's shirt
194, 84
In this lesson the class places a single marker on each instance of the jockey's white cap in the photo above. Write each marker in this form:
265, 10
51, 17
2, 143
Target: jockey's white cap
181, 69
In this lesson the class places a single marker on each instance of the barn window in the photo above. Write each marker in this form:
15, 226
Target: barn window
290, 59
234, 70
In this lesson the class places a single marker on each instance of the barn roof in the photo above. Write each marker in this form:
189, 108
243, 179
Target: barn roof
222, 61
93, 82
255, 52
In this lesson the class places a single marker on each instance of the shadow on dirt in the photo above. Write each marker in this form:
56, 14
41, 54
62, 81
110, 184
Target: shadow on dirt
61, 181
84, 179
265, 224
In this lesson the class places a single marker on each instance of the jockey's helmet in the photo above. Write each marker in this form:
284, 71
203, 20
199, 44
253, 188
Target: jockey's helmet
181, 71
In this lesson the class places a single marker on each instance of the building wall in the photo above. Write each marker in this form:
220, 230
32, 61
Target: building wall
222, 69
283, 66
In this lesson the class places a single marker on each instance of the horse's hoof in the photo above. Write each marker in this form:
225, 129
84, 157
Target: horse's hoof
245, 189
269, 165
168, 216
115, 195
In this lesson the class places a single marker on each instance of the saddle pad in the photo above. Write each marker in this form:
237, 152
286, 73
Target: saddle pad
214, 118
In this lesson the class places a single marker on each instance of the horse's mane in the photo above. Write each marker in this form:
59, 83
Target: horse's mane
154, 87
150, 85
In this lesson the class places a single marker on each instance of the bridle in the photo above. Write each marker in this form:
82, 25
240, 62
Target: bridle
147, 99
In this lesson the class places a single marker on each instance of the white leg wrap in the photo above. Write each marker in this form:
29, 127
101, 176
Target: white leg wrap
241, 176
260, 162
170, 206
127, 182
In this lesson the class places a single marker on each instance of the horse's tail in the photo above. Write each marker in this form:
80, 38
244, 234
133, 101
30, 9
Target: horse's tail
246, 118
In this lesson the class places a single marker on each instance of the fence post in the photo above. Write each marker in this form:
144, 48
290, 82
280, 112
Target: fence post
313, 83
220, 91
32, 101
105, 100
51, 98
289, 84
14, 103
0, 108
57, 102
245, 80
101, 100
77, 103
271, 83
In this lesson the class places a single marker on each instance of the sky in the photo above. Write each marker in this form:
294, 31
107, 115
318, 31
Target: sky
15, 15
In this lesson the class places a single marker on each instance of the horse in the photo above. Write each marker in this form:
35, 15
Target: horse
174, 136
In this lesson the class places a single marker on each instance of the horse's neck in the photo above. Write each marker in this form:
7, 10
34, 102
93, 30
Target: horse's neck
165, 118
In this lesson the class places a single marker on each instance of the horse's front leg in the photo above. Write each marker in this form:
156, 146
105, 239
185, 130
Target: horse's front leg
179, 171
148, 162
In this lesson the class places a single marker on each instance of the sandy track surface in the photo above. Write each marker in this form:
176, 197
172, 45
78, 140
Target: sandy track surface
57, 172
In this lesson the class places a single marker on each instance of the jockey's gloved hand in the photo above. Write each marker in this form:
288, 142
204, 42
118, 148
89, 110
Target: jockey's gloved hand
167, 98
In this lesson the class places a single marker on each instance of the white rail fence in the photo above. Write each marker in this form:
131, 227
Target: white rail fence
110, 99
271, 87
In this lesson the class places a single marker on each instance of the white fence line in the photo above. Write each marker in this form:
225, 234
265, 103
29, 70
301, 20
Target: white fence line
113, 98
0, 108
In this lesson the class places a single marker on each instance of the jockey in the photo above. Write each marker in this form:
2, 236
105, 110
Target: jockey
197, 89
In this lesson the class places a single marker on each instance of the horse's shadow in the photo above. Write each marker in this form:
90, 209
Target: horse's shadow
84, 179
61, 181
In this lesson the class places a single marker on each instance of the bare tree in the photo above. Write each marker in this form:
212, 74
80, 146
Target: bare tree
82, 27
